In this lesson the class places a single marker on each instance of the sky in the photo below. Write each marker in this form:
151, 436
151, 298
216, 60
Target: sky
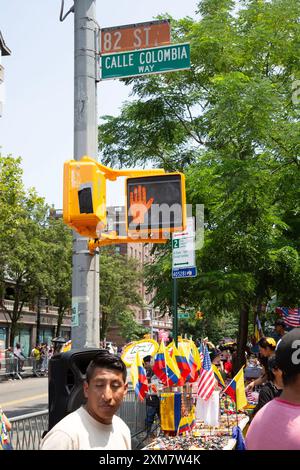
37, 121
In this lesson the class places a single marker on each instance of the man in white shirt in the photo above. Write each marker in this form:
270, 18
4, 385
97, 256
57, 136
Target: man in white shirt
95, 425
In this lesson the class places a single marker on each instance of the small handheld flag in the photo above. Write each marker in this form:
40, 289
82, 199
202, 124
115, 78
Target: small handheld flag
218, 375
206, 384
236, 390
165, 367
138, 377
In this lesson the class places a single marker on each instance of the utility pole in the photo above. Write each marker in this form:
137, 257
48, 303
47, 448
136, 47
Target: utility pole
175, 313
85, 277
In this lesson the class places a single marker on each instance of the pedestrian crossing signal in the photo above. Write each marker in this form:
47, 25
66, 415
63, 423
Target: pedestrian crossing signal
84, 206
156, 204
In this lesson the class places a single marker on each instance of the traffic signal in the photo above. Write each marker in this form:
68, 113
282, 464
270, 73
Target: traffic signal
199, 315
66, 377
84, 205
156, 203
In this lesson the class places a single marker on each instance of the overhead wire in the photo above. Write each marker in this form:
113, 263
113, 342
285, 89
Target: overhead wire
62, 17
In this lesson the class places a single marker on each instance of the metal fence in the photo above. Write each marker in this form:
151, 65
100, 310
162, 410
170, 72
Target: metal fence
27, 430
11, 368
133, 412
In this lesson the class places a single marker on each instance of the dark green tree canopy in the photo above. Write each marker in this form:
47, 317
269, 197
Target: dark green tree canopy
232, 125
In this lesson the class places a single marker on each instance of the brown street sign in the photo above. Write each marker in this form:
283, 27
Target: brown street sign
135, 36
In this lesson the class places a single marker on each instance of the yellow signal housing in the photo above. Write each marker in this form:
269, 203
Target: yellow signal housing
84, 204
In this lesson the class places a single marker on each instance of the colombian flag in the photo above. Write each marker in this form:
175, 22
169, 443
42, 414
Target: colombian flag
165, 367
236, 390
183, 425
170, 411
159, 366
218, 375
182, 362
138, 377
192, 417
196, 356
193, 376
258, 332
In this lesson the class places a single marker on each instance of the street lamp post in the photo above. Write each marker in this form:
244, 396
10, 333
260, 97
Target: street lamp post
149, 320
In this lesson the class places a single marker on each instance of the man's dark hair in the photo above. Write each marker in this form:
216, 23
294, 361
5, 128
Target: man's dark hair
106, 360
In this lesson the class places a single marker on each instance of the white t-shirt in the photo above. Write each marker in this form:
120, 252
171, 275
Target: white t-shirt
80, 431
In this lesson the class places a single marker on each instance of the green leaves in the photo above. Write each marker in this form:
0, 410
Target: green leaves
231, 125
119, 292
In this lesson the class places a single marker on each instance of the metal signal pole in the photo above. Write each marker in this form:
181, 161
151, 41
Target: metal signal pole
85, 277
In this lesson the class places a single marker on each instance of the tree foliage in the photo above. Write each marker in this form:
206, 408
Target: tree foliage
232, 125
119, 293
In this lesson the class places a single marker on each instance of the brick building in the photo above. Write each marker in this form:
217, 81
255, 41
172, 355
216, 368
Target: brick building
26, 335
4, 51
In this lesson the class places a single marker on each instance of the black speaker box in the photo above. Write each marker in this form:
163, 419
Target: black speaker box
66, 376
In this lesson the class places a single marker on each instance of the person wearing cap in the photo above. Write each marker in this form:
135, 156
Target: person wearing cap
272, 388
266, 349
277, 425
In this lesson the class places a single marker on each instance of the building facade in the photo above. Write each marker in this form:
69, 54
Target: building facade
147, 316
4, 51
27, 325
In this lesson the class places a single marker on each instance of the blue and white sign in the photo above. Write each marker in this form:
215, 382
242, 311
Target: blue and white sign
184, 272
183, 252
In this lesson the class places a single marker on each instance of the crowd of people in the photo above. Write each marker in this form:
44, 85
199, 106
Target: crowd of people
15, 359
275, 422
276, 425
41, 355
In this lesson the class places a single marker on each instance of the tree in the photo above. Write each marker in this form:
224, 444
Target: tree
231, 125
35, 252
11, 191
130, 329
58, 239
119, 286
22, 218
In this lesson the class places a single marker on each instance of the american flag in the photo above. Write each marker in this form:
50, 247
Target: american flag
291, 316
206, 384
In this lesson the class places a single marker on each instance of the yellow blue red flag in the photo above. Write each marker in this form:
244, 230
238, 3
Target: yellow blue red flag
139, 378
218, 375
183, 425
165, 367
181, 361
236, 390
170, 411
258, 332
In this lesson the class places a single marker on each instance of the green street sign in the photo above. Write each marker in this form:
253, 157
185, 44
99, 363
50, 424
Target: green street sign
183, 315
145, 61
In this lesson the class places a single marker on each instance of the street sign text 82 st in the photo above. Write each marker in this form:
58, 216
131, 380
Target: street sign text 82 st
135, 36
